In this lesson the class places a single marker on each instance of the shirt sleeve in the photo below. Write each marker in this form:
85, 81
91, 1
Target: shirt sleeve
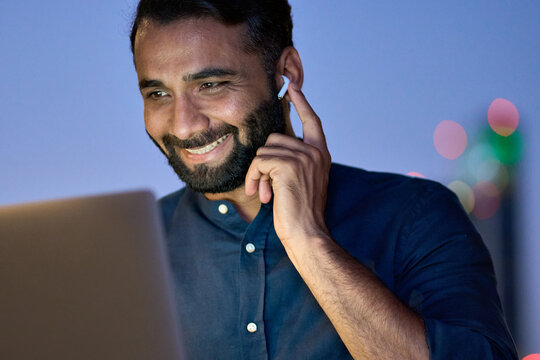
444, 272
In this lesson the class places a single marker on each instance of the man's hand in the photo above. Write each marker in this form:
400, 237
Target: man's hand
296, 172
370, 320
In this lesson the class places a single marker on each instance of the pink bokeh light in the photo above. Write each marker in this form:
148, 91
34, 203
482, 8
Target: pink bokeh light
503, 117
532, 357
415, 174
450, 139
487, 200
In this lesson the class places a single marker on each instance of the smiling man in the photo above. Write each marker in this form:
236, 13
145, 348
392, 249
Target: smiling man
276, 252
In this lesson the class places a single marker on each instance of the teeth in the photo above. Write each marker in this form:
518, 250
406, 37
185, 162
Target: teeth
209, 147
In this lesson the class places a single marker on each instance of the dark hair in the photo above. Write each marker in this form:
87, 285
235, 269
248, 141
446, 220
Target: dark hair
268, 22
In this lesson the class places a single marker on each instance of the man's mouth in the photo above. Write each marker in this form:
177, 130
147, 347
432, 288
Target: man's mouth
207, 148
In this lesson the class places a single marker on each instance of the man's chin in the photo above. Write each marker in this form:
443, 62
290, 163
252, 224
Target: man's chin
212, 187
204, 178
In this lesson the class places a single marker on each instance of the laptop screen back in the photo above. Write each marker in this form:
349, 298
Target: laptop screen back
86, 278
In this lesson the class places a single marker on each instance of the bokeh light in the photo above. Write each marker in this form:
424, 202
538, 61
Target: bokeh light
492, 156
532, 357
503, 179
487, 200
415, 174
488, 170
508, 149
478, 155
503, 117
450, 139
464, 194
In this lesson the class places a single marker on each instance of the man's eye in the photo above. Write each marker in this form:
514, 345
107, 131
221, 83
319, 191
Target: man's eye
212, 86
156, 94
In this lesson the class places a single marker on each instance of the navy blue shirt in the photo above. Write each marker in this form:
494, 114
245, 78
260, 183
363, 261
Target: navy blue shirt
240, 297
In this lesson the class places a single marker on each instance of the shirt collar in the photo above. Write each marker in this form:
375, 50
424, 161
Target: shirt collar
223, 213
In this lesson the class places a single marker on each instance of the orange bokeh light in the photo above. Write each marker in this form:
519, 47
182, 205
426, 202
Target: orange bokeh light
532, 357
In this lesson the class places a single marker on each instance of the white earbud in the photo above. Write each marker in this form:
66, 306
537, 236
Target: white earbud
283, 89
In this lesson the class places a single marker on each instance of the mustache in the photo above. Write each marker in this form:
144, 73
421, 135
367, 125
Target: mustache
208, 136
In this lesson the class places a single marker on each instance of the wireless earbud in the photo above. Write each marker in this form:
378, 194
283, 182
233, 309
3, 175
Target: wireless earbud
283, 89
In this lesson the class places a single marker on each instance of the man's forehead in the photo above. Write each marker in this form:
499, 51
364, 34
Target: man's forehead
192, 49
200, 39
192, 30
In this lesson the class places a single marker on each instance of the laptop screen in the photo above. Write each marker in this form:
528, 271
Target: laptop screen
86, 278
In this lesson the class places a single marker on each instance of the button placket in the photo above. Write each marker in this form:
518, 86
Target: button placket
252, 287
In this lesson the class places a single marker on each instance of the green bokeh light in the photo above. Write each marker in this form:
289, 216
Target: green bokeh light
508, 149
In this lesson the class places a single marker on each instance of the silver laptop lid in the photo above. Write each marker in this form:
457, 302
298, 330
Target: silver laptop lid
86, 278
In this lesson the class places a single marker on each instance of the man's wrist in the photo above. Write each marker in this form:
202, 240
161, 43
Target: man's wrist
314, 246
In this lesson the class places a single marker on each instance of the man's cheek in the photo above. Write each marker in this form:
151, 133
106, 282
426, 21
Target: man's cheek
243, 137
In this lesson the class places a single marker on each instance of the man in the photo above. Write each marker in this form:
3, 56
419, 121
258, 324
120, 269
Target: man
276, 252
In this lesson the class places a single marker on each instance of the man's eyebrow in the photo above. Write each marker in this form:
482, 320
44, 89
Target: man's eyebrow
208, 73
203, 74
145, 83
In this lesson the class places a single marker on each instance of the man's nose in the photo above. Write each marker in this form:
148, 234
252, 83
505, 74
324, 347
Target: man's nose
187, 118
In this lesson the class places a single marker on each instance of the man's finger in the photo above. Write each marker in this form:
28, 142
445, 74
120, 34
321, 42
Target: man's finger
258, 179
252, 181
265, 189
311, 124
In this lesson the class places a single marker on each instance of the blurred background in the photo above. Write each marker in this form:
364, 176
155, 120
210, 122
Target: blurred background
449, 91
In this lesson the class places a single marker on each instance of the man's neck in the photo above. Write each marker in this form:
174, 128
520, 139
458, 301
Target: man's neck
247, 206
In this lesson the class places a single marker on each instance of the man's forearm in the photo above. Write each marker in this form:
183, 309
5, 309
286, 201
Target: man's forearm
372, 322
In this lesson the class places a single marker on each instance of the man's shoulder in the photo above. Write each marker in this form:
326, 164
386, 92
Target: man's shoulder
172, 198
384, 195
168, 204
351, 180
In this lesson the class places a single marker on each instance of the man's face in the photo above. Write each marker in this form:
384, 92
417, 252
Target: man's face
208, 104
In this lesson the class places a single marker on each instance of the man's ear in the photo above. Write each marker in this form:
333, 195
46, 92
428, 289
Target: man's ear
290, 65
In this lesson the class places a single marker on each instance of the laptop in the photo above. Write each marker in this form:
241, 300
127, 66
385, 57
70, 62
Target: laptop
86, 278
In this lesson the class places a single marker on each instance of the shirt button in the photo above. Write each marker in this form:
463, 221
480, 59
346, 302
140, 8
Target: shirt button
223, 209
250, 248
252, 327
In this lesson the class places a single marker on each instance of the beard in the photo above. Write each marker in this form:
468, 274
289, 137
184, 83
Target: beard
267, 118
